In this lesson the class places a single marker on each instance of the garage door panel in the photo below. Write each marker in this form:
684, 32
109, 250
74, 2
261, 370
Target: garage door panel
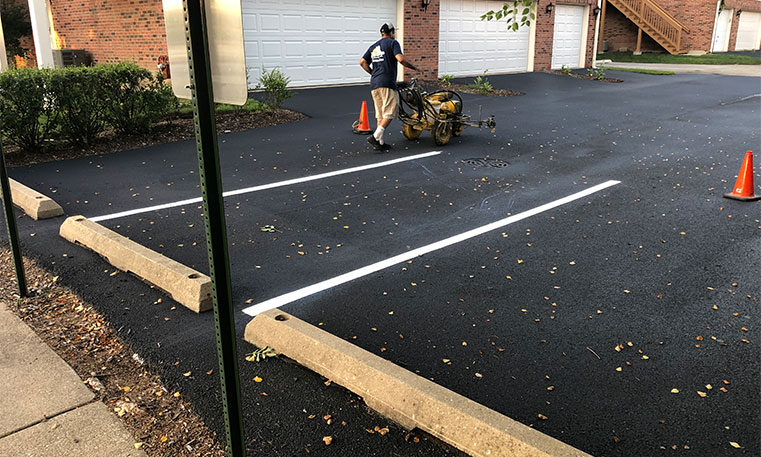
568, 33
468, 46
325, 38
748, 31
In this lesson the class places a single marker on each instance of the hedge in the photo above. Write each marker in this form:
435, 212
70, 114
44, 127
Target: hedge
79, 103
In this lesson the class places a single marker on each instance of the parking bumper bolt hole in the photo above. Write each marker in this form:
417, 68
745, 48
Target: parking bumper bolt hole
79, 219
281, 317
194, 276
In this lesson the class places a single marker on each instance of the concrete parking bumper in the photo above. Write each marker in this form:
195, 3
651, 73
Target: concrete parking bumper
35, 205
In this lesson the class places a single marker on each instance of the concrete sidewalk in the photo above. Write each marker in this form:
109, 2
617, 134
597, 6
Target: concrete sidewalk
45, 409
731, 70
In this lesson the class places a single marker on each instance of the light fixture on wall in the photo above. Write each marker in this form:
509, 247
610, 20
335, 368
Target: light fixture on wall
549, 8
425, 4
596, 11
738, 12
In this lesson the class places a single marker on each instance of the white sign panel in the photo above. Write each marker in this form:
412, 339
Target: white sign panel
228, 59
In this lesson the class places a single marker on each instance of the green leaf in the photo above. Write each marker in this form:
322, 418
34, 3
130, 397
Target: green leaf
515, 26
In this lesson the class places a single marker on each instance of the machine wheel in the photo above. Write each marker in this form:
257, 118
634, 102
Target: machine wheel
457, 129
442, 133
410, 132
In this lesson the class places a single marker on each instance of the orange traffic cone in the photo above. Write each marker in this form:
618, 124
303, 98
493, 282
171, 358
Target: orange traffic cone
362, 126
744, 189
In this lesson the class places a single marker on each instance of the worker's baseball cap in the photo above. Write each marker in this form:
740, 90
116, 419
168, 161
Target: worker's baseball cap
387, 28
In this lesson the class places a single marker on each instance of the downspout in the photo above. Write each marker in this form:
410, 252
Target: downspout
715, 25
597, 35
3, 56
38, 15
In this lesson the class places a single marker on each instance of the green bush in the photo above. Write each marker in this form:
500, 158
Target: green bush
275, 85
482, 84
81, 99
447, 80
596, 73
135, 98
27, 117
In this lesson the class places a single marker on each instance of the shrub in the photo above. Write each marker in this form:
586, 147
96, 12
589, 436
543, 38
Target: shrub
275, 85
596, 73
135, 98
482, 84
80, 97
27, 117
565, 69
447, 80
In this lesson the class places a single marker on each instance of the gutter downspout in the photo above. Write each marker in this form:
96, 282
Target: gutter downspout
597, 35
38, 15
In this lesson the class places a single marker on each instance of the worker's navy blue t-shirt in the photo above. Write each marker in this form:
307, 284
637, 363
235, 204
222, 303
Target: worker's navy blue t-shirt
382, 57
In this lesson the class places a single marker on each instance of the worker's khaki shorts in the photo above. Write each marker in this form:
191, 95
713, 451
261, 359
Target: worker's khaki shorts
386, 103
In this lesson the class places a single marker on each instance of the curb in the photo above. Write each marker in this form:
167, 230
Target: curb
34, 204
185, 285
400, 395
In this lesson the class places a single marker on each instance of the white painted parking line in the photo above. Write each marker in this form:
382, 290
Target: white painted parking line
265, 186
409, 255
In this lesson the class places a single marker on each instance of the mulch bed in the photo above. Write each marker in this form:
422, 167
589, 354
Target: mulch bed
466, 89
583, 76
165, 132
160, 420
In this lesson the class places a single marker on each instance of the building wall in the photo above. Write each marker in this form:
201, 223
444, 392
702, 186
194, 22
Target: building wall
112, 31
698, 16
545, 30
735, 5
421, 38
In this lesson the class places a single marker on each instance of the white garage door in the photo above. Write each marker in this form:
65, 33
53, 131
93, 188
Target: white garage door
314, 42
468, 45
567, 41
748, 31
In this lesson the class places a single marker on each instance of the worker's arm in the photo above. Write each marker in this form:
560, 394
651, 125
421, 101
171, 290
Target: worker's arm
363, 63
406, 63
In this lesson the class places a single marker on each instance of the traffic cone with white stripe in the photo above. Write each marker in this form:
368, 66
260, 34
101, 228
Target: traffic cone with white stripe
744, 189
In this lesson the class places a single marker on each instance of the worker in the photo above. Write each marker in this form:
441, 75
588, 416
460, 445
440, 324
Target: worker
383, 55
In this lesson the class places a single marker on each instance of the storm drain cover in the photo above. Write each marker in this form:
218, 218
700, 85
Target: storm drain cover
486, 163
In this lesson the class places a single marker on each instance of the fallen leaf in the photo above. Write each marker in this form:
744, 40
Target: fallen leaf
163, 439
327, 440
258, 379
479, 375
542, 417
187, 374
702, 394
674, 391
735, 445
138, 445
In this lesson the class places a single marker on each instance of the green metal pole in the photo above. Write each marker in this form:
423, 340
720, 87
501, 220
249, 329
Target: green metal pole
10, 223
214, 211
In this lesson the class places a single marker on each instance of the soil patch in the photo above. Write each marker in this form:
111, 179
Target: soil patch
466, 89
165, 132
583, 76
160, 420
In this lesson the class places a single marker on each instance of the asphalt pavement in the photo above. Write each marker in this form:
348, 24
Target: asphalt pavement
590, 314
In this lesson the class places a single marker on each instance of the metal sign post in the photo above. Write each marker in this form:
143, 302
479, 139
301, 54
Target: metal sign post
214, 215
10, 222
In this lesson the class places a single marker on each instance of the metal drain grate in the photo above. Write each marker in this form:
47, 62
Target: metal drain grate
486, 163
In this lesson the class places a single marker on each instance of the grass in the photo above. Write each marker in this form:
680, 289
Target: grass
707, 59
186, 108
640, 70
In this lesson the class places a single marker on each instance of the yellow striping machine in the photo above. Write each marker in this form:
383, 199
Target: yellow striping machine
440, 112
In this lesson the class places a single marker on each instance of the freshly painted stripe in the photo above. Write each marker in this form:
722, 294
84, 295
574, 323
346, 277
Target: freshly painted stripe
378, 266
265, 186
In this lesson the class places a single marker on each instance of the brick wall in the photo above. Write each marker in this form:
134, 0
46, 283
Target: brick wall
421, 38
697, 15
545, 31
735, 5
112, 31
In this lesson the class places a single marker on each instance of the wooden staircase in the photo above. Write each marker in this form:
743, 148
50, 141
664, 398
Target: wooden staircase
655, 21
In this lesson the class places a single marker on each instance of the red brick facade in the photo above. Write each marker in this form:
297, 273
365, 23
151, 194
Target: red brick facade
699, 16
421, 37
736, 5
112, 31
545, 31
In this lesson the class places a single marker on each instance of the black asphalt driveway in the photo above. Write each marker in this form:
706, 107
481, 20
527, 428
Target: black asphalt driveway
628, 318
